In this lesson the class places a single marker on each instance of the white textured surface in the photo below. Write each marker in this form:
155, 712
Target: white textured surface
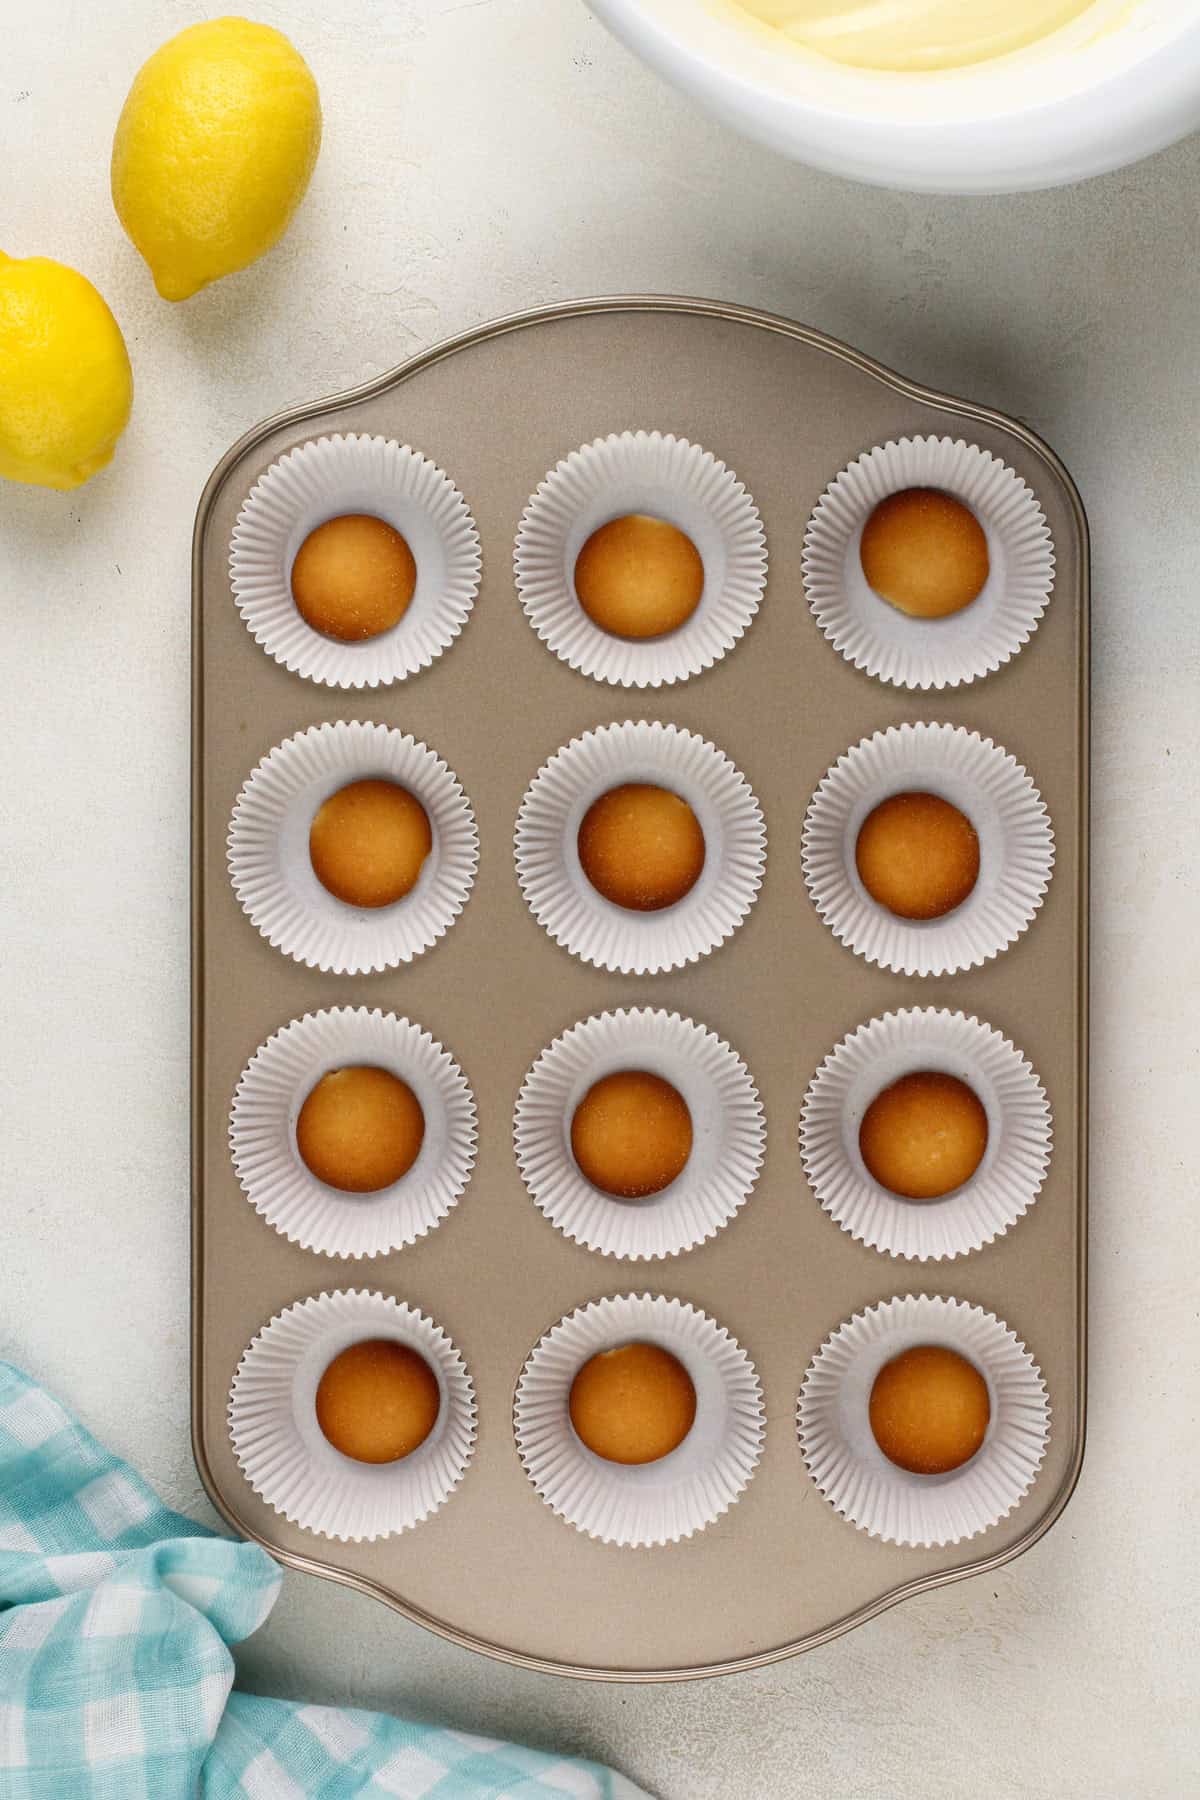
479, 158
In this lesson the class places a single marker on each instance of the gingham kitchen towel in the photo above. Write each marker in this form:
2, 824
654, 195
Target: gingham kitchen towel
116, 1617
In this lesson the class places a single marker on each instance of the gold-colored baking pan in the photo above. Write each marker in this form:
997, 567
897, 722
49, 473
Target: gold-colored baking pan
786, 408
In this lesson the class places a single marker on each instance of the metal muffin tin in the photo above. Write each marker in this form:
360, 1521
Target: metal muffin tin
494, 1569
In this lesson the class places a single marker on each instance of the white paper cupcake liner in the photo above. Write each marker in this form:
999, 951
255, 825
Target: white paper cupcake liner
563, 900
1016, 847
272, 872
727, 1125
286, 1457
1007, 1181
669, 478
322, 480
929, 653
262, 1133
651, 1503
849, 1468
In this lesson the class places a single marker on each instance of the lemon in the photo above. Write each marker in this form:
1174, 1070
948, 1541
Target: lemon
213, 151
65, 382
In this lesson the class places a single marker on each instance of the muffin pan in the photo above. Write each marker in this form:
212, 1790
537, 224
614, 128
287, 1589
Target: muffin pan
488, 1558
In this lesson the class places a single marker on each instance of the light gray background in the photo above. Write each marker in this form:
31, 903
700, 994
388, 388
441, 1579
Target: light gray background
481, 157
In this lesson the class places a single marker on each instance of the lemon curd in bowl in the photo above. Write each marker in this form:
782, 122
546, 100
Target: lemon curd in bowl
915, 34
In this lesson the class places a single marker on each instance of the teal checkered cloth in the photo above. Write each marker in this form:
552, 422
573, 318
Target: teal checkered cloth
116, 1617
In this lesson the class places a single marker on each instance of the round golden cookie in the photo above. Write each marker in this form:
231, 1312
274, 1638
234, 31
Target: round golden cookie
633, 1404
929, 1410
360, 1129
925, 553
631, 1134
641, 847
924, 1136
368, 843
377, 1401
353, 577
639, 577
917, 855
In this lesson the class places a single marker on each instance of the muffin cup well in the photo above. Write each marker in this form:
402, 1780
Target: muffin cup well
272, 872
563, 900
671, 479
262, 1133
1014, 1164
653, 1503
286, 1457
849, 1468
727, 1122
1016, 847
322, 480
929, 653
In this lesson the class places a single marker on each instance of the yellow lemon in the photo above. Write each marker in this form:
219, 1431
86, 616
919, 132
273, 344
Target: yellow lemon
214, 149
65, 382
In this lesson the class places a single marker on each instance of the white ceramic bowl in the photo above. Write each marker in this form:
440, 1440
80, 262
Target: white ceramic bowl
1125, 86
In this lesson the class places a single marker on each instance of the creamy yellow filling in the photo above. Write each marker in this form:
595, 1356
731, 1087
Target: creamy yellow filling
914, 34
